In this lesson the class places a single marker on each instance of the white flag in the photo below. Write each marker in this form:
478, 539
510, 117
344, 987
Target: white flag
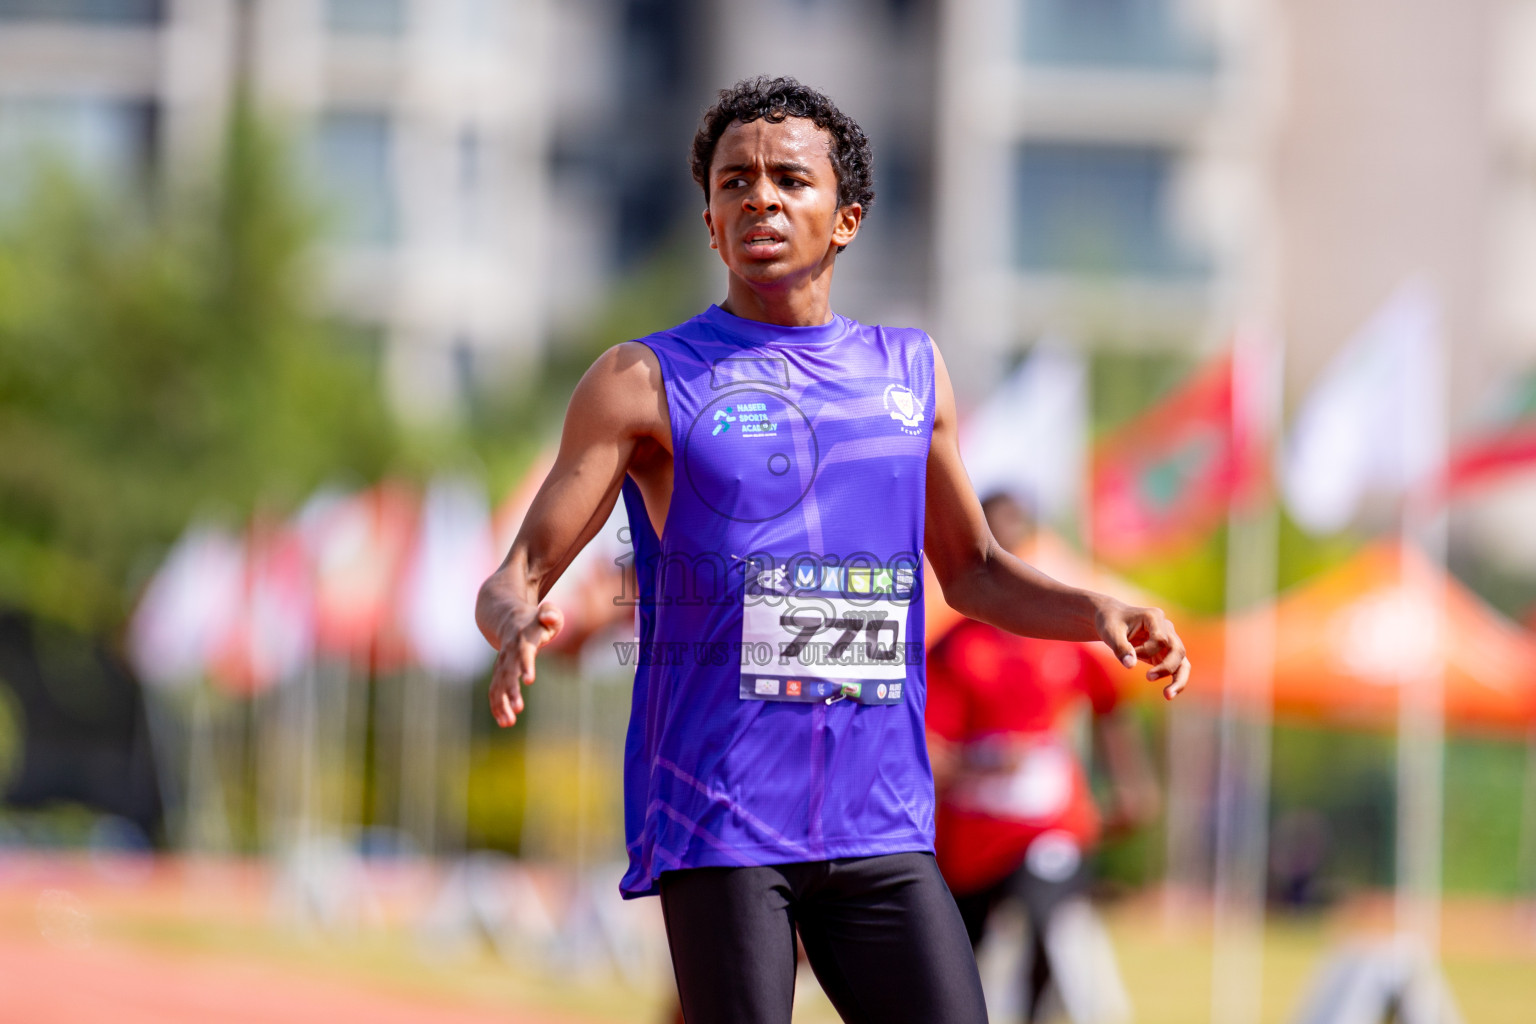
453, 557
190, 609
1027, 438
1375, 421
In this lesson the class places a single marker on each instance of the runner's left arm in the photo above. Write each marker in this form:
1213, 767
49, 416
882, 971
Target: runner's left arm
985, 582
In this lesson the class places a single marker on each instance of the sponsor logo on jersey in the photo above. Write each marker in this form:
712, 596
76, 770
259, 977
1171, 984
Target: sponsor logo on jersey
853, 690
801, 574
772, 579
755, 420
904, 407
880, 691
792, 688
895, 691
752, 419
768, 687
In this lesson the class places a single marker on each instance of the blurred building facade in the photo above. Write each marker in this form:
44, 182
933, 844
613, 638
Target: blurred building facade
1096, 178
422, 129
489, 167
1127, 173
1159, 172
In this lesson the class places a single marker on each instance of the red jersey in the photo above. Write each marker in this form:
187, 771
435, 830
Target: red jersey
1002, 699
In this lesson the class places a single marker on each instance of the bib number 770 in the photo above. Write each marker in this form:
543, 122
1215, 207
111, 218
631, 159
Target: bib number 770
808, 623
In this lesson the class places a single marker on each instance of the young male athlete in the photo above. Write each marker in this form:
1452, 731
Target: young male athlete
784, 470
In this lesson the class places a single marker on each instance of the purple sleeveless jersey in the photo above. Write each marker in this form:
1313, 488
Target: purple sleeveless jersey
778, 700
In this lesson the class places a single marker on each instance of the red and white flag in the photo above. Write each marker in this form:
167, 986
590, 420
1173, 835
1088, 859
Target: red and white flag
1505, 444
359, 544
1166, 479
273, 639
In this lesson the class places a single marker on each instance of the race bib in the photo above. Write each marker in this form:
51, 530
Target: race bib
1039, 787
824, 645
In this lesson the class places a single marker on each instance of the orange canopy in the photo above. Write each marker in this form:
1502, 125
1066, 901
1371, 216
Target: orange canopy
1347, 642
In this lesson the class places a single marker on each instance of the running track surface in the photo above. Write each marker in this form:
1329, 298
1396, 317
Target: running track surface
40, 984
52, 975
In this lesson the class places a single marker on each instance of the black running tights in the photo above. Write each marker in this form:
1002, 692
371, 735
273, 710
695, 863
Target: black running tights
881, 933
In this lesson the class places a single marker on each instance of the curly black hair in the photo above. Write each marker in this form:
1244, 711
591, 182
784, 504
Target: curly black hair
773, 100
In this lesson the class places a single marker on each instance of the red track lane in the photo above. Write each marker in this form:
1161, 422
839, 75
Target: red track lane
41, 984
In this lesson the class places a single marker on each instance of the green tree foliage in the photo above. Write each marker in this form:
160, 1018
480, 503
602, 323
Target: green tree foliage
162, 358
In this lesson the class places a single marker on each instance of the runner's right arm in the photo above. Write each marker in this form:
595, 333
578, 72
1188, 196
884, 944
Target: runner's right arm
617, 410
982, 581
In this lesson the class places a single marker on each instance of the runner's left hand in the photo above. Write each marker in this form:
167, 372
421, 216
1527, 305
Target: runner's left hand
1145, 634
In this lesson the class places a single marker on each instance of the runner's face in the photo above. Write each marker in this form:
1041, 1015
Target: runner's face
773, 210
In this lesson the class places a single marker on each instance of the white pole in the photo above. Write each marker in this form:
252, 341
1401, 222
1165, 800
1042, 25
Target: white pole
1525, 861
333, 733
354, 747
457, 719
584, 715
168, 743
209, 829
419, 762
1239, 870
308, 757
1421, 689
1421, 736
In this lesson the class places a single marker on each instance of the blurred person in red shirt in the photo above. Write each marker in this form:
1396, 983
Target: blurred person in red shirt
1016, 818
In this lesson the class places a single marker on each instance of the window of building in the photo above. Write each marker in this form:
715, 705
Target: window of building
473, 208
125, 12
107, 143
1097, 208
1146, 33
899, 190
353, 161
488, 22
365, 17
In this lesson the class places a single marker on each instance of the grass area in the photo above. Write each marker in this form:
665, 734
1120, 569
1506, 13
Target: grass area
1489, 963
397, 961
1489, 954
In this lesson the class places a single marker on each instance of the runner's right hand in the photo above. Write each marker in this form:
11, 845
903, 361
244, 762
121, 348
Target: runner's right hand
522, 634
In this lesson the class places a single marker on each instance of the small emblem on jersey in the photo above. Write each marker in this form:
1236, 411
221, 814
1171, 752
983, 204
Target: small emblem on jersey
723, 420
903, 405
805, 577
895, 691
880, 691
905, 579
831, 577
768, 687
853, 690
883, 581
858, 580
792, 688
